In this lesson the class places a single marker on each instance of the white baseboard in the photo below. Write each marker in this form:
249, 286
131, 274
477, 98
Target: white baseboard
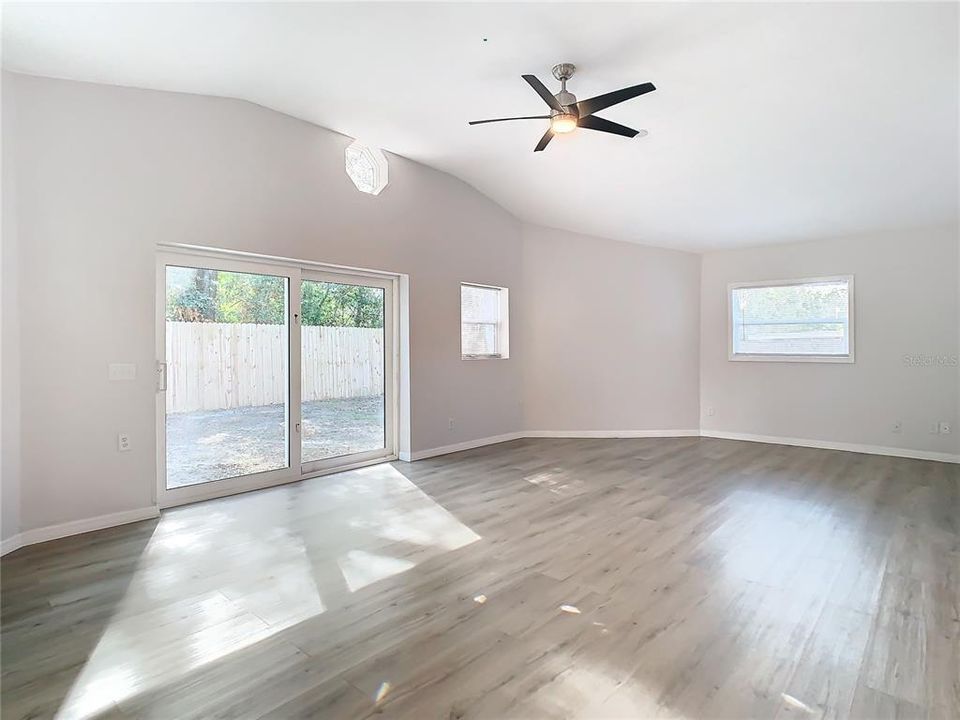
770, 439
76, 527
506, 437
610, 433
827, 445
458, 447
14, 542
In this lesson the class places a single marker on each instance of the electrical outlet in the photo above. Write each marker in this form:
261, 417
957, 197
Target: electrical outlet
934, 428
897, 426
711, 411
944, 428
123, 442
449, 423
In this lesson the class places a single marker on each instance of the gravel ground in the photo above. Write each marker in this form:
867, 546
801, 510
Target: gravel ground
215, 444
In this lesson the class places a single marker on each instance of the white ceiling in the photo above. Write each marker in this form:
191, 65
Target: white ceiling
771, 122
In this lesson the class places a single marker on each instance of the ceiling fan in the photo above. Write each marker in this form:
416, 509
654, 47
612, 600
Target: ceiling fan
567, 114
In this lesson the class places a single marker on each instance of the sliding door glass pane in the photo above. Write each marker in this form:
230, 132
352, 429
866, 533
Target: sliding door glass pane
227, 374
342, 365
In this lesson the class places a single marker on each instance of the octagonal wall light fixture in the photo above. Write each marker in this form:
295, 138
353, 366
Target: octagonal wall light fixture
367, 167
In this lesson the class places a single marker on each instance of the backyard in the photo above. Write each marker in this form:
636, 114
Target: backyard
227, 372
214, 444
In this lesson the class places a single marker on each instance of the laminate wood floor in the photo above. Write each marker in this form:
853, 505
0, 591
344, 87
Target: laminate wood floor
642, 578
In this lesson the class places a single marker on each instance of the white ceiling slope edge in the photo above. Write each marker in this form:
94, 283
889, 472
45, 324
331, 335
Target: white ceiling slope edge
771, 122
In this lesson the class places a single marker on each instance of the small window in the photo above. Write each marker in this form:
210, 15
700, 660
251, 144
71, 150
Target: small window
798, 320
483, 322
367, 167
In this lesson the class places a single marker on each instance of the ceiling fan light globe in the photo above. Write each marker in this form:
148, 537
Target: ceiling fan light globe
563, 123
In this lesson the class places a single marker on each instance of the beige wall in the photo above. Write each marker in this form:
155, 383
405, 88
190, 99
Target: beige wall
906, 302
106, 173
610, 334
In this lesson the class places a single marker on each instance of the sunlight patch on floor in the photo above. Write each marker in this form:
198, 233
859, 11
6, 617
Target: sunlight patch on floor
791, 701
589, 691
215, 578
548, 480
755, 541
361, 568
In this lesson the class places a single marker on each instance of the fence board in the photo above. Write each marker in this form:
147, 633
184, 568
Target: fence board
215, 366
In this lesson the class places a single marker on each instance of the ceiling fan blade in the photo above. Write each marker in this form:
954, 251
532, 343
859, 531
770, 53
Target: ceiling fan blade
542, 91
525, 117
598, 103
592, 122
547, 137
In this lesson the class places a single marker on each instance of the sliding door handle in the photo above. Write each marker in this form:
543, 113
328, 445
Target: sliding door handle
161, 377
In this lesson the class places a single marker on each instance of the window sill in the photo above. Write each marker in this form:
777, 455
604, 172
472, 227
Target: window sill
793, 358
484, 357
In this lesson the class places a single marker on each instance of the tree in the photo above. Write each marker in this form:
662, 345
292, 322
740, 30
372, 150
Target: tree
196, 299
246, 298
202, 295
338, 305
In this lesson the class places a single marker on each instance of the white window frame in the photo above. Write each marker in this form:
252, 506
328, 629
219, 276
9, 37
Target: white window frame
503, 328
774, 357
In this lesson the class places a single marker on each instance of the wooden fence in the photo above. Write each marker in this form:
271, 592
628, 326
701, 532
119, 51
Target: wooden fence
213, 366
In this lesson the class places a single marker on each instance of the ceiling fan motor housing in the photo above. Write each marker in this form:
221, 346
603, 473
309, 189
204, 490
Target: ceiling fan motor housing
568, 100
564, 71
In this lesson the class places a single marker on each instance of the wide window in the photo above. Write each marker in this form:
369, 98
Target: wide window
805, 320
483, 321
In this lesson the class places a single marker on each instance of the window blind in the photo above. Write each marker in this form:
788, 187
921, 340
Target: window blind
798, 319
479, 320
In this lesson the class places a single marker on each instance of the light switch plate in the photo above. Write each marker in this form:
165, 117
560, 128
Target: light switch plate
122, 371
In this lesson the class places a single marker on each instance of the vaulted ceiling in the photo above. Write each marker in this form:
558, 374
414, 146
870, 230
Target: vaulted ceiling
771, 122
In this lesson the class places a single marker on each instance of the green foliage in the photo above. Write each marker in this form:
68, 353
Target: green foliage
191, 294
191, 305
201, 295
332, 304
244, 298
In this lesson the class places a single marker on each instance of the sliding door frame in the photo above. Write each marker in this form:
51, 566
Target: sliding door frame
389, 449
294, 272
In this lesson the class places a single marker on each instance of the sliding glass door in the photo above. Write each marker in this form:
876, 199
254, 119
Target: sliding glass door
346, 361
269, 373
